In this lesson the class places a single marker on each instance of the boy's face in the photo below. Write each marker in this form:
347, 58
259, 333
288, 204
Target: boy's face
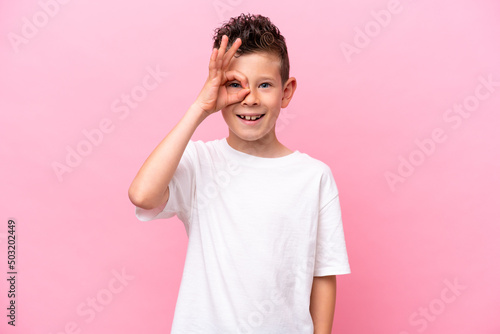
266, 97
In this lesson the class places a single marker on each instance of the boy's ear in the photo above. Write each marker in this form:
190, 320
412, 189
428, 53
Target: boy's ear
288, 90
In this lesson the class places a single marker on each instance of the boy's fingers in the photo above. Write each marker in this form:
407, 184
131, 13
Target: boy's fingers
213, 56
222, 49
237, 97
231, 52
242, 93
235, 75
212, 69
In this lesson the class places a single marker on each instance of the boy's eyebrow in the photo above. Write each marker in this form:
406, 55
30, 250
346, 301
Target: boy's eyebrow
260, 78
266, 78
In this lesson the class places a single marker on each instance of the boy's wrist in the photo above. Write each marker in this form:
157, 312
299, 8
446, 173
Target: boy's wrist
197, 113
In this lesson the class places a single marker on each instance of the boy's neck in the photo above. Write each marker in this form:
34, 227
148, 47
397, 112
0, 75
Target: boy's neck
266, 147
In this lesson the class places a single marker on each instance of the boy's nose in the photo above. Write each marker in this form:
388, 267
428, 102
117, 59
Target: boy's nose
251, 98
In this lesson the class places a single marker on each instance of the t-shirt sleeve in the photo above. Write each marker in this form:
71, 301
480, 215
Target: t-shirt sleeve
331, 252
181, 188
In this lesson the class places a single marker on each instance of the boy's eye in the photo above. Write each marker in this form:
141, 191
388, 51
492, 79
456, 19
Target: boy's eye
237, 85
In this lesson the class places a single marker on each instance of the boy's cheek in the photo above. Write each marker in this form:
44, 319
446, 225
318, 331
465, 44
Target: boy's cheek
227, 111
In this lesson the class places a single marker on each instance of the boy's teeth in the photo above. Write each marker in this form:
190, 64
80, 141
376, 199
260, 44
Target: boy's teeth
249, 118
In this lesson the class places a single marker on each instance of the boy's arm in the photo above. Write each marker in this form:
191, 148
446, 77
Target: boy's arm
149, 189
322, 305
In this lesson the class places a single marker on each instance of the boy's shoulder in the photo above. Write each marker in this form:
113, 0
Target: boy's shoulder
215, 147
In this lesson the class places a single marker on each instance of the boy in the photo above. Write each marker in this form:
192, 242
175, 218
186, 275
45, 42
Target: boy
264, 225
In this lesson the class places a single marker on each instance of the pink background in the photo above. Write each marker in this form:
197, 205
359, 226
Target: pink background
434, 227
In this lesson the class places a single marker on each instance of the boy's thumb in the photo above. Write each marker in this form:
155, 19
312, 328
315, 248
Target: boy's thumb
243, 93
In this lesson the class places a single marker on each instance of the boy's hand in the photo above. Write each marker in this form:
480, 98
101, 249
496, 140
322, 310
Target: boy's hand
214, 95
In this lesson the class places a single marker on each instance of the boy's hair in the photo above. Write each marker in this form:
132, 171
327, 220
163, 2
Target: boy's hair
257, 33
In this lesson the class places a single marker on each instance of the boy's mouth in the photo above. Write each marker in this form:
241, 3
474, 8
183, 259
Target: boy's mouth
250, 118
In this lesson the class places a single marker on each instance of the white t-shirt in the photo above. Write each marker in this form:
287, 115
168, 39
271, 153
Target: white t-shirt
259, 229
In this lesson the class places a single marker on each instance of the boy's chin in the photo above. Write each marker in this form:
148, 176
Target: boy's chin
252, 135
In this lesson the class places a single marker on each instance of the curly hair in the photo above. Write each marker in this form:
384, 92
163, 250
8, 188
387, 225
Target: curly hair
257, 34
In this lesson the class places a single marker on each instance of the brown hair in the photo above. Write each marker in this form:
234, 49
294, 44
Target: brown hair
257, 33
